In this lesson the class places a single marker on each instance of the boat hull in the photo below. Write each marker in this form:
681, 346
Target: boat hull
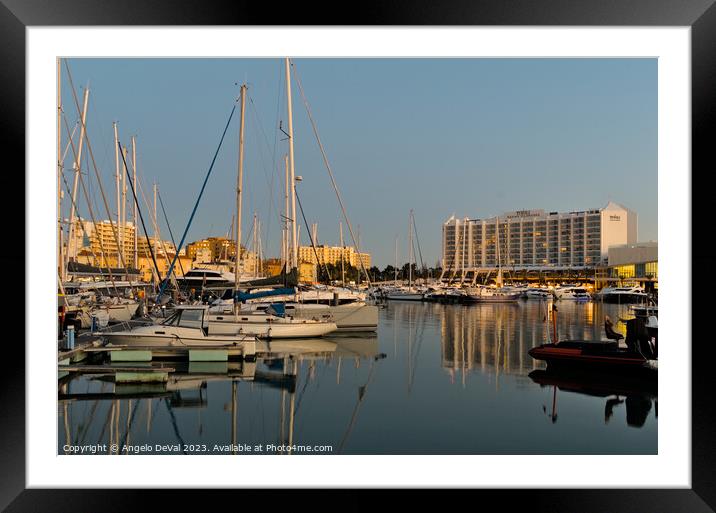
272, 330
404, 297
602, 356
122, 312
350, 318
492, 299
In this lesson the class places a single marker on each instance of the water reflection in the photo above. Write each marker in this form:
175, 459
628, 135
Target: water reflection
437, 379
496, 337
635, 395
119, 416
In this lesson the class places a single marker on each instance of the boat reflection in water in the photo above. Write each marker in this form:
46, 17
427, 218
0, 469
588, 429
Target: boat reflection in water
457, 379
636, 394
178, 417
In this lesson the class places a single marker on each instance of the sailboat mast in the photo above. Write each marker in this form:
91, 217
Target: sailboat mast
134, 211
122, 234
156, 226
343, 251
60, 258
239, 181
286, 217
116, 177
410, 251
256, 246
78, 162
396, 260
294, 236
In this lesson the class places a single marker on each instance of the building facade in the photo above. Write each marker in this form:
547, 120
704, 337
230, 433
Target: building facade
97, 244
535, 239
219, 248
333, 255
635, 261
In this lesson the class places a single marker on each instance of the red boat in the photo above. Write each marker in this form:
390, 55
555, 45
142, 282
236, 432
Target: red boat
638, 357
601, 355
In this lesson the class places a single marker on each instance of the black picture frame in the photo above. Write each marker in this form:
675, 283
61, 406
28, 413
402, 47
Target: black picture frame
700, 15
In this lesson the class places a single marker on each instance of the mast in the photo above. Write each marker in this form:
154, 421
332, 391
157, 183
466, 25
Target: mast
294, 236
410, 250
239, 181
60, 260
78, 162
155, 216
396, 260
122, 234
256, 246
343, 250
116, 176
134, 210
286, 217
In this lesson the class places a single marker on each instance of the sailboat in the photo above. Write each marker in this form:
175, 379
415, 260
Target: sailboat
346, 309
410, 293
82, 303
270, 323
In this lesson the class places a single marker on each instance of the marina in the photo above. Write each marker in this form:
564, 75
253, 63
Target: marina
225, 322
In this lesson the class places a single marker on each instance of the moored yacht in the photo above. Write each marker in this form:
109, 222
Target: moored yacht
570, 292
538, 293
270, 324
484, 294
187, 326
622, 295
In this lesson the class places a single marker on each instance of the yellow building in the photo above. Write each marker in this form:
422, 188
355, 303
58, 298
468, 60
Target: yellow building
91, 240
307, 271
220, 248
333, 255
146, 266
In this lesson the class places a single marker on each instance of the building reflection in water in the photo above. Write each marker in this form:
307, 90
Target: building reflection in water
495, 338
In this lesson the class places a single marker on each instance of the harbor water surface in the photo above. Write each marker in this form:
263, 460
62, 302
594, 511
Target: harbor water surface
437, 379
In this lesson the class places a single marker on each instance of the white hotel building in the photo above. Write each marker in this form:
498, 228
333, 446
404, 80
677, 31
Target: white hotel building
536, 240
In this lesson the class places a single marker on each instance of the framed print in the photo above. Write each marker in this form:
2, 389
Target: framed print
482, 188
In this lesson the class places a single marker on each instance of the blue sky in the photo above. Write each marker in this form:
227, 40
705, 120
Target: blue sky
470, 137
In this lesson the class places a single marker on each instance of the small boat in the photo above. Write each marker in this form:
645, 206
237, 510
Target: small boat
483, 294
445, 295
603, 355
187, 326
405, 294
638, 357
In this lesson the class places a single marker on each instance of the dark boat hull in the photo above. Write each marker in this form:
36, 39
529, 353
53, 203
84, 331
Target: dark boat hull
600, 356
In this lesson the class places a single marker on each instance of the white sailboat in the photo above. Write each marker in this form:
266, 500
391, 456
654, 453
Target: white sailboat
408, 293
186, 327
263, 324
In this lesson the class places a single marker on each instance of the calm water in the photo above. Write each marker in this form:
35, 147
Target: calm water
438, 379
